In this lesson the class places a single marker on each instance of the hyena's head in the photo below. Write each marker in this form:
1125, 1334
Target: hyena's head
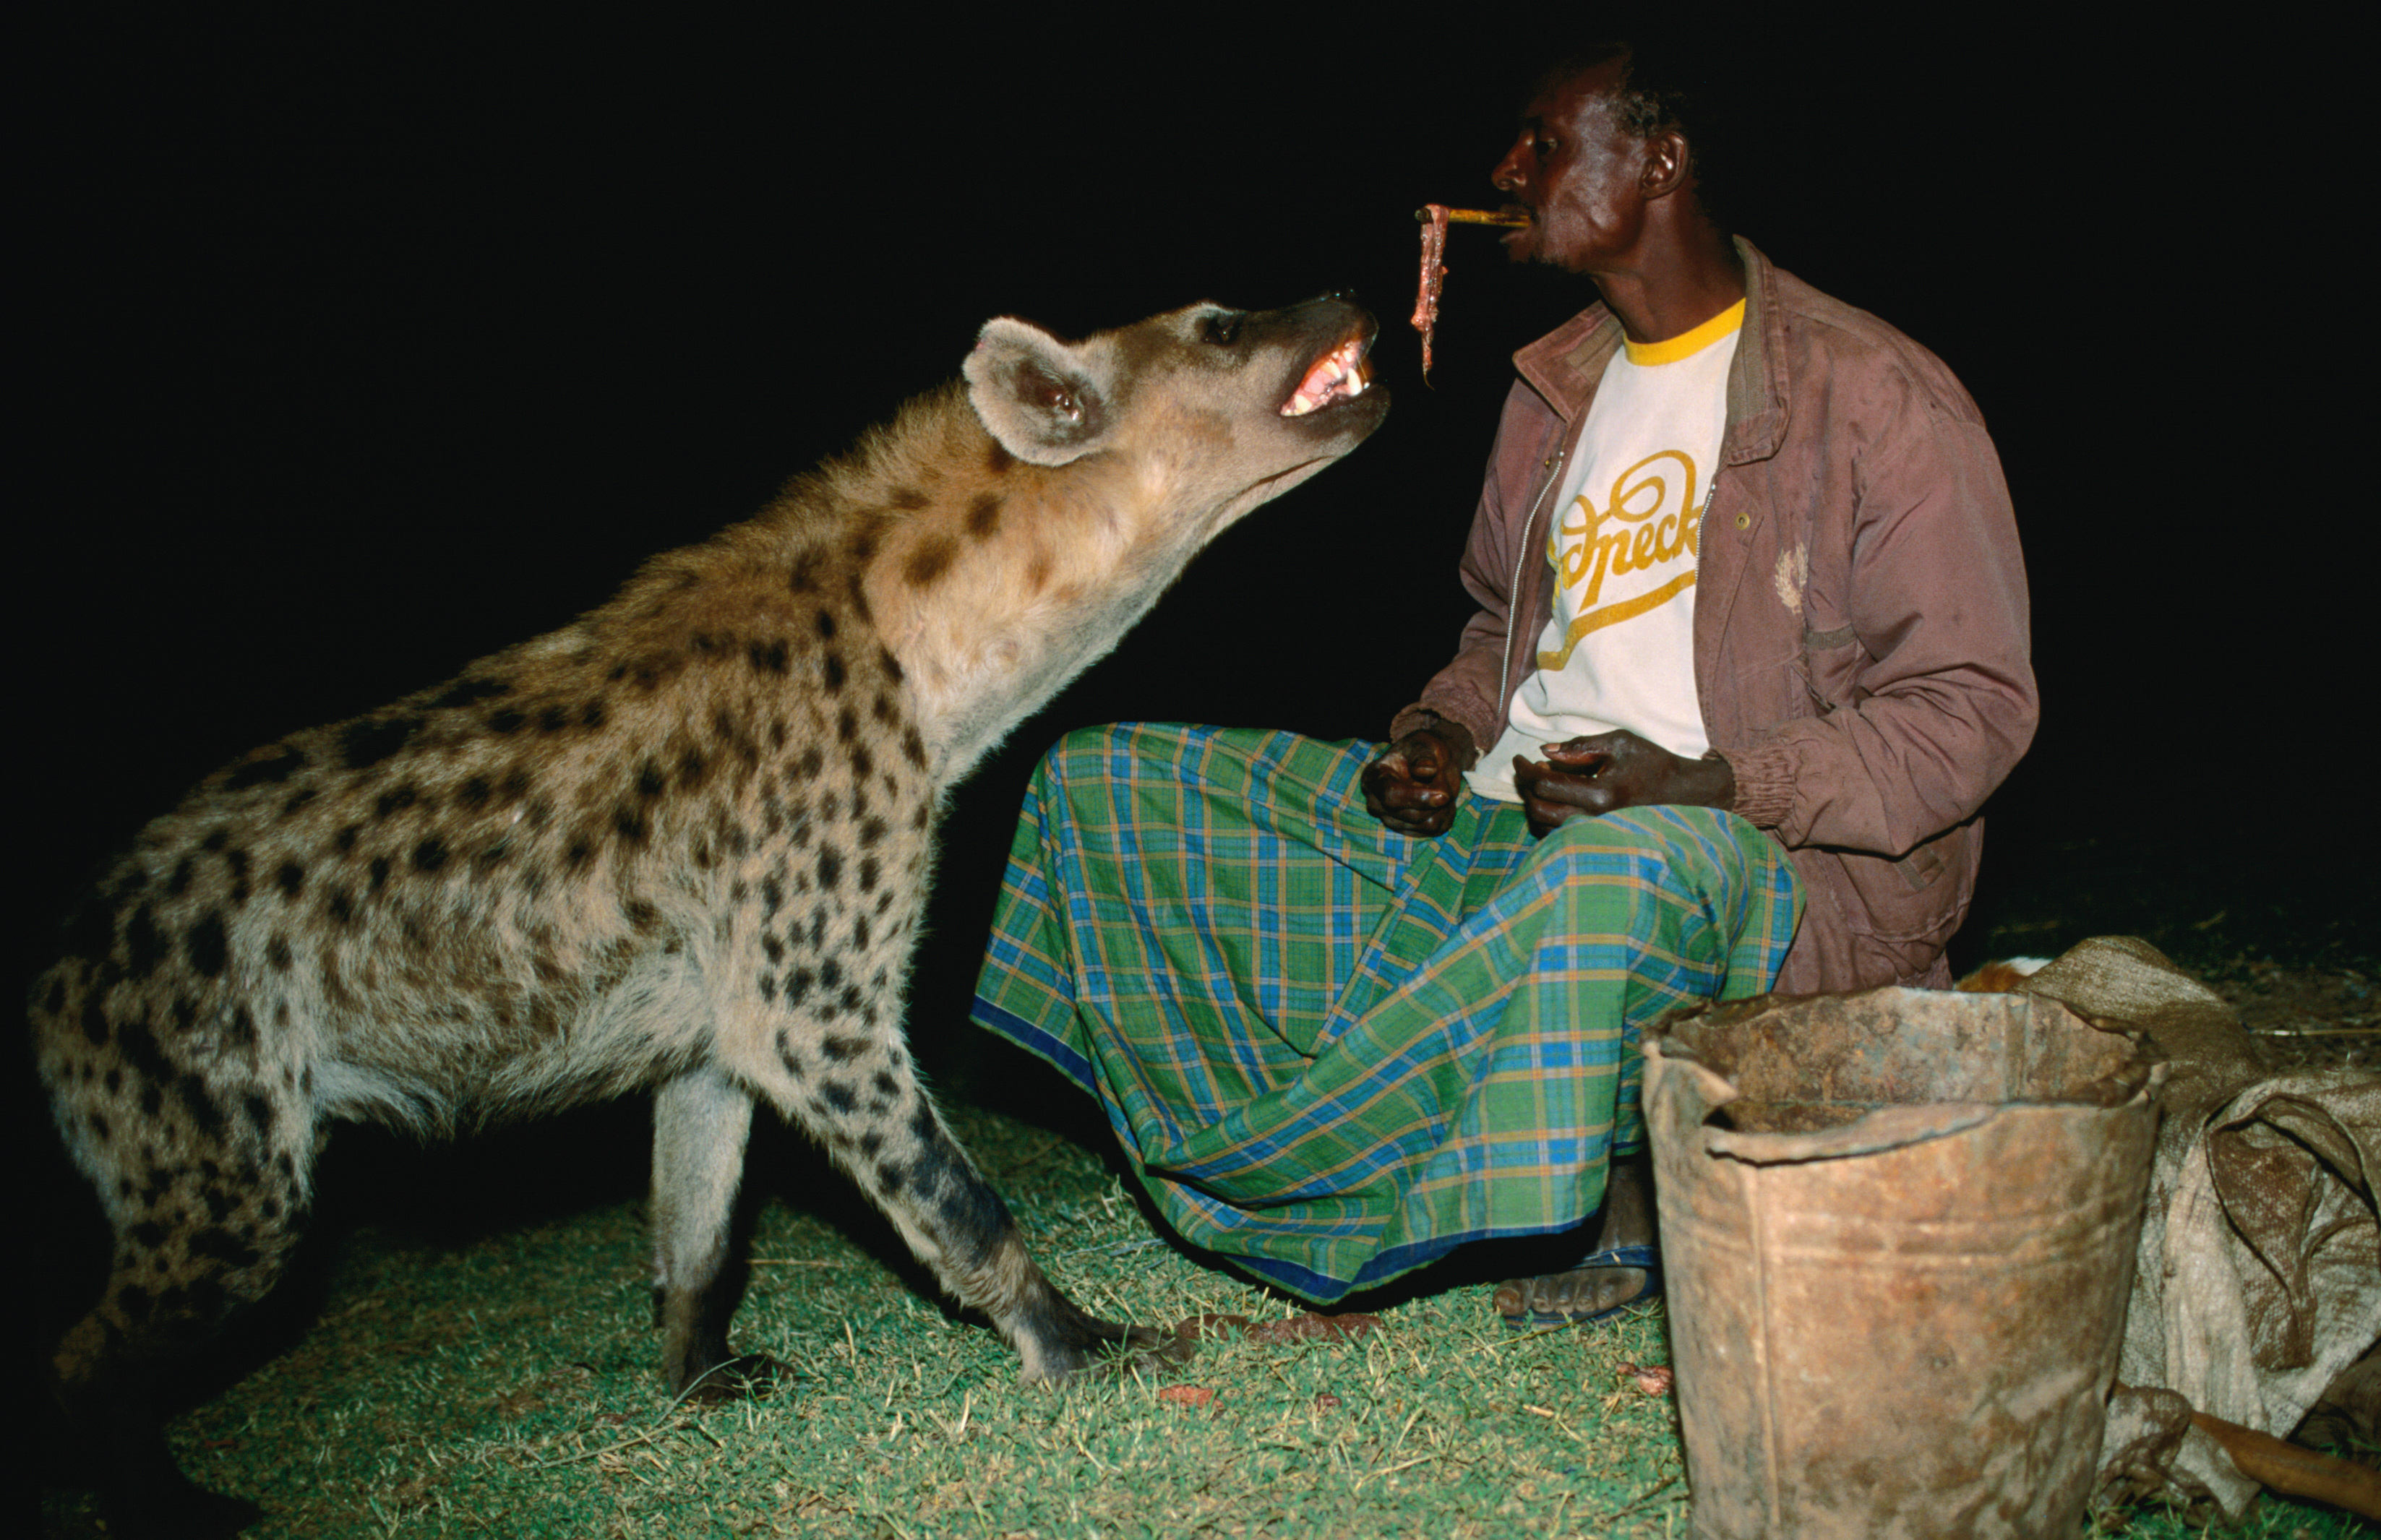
1208, 409
1113, 460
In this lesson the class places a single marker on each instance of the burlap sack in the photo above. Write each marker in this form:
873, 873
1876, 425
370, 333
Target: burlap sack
2257, 1294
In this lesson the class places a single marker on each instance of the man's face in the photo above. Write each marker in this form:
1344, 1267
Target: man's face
1580, 176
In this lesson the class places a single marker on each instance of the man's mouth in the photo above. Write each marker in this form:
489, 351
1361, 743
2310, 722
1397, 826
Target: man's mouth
1342, 374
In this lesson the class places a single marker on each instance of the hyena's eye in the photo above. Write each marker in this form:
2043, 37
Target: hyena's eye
1222, 329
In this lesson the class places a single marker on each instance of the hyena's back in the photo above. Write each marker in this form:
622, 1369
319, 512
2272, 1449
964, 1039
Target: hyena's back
467, 902
681, 843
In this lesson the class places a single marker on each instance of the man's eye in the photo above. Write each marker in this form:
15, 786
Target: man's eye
1222, 330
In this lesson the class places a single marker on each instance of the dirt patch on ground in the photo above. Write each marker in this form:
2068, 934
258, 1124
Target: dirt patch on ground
2306, 1018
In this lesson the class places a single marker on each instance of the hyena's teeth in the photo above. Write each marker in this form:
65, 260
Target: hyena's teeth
1337, 375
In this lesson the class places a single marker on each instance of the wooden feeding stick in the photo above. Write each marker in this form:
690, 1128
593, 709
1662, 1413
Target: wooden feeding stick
1475, 216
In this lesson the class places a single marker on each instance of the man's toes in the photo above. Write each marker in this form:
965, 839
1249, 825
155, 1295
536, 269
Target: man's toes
1524, 1300
1559, 1296
1596, 1290
1556, 1298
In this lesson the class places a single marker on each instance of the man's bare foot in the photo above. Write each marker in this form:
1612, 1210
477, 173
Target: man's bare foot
1623, 1269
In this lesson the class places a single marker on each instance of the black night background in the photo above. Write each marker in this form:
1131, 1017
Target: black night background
356, 344
361, 345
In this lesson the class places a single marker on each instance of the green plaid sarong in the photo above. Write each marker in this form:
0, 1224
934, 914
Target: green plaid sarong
1333, 1052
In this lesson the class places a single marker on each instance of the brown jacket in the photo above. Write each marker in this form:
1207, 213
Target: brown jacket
1861, 634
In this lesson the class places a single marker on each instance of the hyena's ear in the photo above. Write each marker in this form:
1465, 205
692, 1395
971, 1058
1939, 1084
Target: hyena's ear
1045, 401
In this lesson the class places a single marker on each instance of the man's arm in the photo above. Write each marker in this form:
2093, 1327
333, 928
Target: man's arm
1928, 696
1930, 699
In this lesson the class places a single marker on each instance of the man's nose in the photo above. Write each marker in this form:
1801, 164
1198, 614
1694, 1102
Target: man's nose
1507, 176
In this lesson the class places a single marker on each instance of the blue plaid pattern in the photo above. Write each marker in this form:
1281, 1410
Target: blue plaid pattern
1335, 1053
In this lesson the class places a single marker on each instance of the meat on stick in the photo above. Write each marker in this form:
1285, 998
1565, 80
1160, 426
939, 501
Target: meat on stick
1435, 218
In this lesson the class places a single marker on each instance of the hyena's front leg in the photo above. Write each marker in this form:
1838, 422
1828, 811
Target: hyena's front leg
931, 1187
701, 1121
860, 1096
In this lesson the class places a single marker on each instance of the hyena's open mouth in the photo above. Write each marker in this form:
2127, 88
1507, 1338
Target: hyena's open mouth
1342, 374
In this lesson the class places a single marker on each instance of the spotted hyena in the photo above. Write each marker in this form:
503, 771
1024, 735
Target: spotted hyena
680, 845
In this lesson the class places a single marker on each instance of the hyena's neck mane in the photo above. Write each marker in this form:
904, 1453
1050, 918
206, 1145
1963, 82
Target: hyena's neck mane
989, 582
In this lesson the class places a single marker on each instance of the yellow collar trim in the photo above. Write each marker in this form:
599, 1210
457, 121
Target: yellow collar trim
1686, 344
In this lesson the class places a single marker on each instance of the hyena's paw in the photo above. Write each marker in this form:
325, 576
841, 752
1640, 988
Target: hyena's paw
746, 1376
1073, 1343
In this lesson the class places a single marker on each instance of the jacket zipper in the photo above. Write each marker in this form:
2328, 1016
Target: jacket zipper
1513, 587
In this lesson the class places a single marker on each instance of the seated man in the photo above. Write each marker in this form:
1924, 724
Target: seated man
1751, 651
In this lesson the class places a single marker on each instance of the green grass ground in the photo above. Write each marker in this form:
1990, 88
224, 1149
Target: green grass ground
466, 1349
497, 1378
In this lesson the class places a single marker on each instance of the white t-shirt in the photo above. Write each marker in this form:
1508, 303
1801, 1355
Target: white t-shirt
1618, 650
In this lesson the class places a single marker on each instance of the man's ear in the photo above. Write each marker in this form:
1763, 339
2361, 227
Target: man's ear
1669, 164
1046, 401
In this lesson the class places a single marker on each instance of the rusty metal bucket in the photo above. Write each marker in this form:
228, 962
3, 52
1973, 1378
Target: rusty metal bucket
1898, 1229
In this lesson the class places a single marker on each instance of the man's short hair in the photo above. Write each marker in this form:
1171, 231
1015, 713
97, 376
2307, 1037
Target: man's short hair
1665, 87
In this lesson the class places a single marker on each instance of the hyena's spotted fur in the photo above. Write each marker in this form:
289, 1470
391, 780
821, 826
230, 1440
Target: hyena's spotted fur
681, 843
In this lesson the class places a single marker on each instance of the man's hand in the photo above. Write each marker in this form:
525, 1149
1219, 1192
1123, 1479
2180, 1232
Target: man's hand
1611, 770
1413, 786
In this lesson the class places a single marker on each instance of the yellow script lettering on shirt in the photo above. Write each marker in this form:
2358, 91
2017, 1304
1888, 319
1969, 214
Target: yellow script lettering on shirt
1626, 536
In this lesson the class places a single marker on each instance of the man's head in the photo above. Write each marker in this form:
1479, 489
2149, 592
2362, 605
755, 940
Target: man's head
1658, 91
1603, 152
